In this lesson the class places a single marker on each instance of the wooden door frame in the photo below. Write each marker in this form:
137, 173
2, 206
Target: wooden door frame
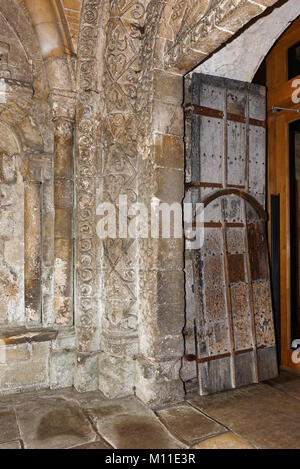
280, 91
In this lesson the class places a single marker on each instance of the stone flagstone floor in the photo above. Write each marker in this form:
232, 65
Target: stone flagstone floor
258, 416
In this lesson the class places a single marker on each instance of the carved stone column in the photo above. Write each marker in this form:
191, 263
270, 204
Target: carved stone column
119, 341
88, 272
63, 104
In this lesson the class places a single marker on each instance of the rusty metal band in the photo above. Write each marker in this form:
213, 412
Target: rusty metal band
215, 113
193, 358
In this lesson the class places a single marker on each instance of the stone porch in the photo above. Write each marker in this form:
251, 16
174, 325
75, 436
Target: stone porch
259, 416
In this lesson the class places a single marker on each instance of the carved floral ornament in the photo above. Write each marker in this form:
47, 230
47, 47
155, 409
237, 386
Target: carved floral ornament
197, 23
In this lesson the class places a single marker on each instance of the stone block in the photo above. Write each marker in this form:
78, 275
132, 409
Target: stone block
249, 412
210, 42
226, 441
11, 445
7, 224
63, 223
128, 424
33, 301
63, 308
65, 340
186, 62
170, 185
168, 118
63, 194
168, 151
14, 253
170, 288
16, 353
158, 384
86, 372
48, 251
8, 171
95, 445
188, 425
63, 251
53, 423
25, 367
168, 87
48, 197
48, 224
165, 254
234, 21
116, 375
8, 425
32, 374
62, 365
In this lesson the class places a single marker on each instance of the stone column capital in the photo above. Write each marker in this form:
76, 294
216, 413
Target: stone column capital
63, 105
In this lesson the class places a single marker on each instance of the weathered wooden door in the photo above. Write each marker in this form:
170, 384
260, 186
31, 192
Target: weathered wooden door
226, 136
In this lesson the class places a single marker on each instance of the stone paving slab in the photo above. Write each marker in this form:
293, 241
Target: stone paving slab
129, 424
288, 383
8, 424
260, 414
226, 441
82, 399
189, 425
100, 444
53, 423
11, 445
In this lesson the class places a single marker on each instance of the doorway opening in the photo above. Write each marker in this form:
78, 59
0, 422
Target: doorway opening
294, 134
280, 73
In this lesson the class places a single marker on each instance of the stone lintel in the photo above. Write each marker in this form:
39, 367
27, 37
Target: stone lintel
25, 336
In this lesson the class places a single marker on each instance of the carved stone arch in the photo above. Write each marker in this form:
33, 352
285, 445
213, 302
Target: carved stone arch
25, 89
257, 39
22, 28
203, 26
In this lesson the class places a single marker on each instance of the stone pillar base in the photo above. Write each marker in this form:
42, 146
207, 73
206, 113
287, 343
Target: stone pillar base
116, 375
159, 383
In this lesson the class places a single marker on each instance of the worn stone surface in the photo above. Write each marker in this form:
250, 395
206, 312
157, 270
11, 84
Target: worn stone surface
188, 425
27, 336
24, 367
65, 418
258, 414
11, 445
226, 441
53, 423
288, 383
11, 227
8, 424
128, 424
101, 444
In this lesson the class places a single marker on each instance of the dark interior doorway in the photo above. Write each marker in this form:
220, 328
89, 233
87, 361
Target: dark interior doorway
294, 130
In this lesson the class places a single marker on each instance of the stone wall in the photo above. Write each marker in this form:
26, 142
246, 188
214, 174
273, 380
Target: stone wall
117, 108
27, 223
